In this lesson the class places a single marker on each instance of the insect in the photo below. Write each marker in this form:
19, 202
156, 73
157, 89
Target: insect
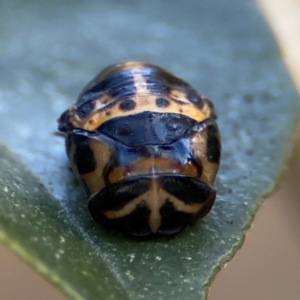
146, 148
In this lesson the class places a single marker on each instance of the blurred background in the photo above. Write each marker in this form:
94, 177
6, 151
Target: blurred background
268, 265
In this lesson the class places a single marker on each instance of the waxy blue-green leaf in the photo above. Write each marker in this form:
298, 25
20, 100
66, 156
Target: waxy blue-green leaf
49, 51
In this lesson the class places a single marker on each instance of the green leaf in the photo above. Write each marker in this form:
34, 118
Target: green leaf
49, 51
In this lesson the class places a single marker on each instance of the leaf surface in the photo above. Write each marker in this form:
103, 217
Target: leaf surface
49, 51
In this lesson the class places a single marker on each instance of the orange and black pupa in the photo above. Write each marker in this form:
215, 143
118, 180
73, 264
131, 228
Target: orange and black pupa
146, 148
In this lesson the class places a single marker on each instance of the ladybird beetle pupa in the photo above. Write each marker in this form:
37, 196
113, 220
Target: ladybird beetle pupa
146, 148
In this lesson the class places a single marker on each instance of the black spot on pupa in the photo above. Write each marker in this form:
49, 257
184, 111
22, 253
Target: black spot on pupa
84, 157
135, 224
127, 105
173, 220
213, 149
211, 106
68, 143
161, 102
193, 96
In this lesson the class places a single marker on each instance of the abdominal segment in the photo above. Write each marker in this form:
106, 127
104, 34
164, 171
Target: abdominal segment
152, 204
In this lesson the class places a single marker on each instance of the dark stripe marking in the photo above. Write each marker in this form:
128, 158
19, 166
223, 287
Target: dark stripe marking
186, 189
147, 128
117, 85
179, 102
159, 81
116, 196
